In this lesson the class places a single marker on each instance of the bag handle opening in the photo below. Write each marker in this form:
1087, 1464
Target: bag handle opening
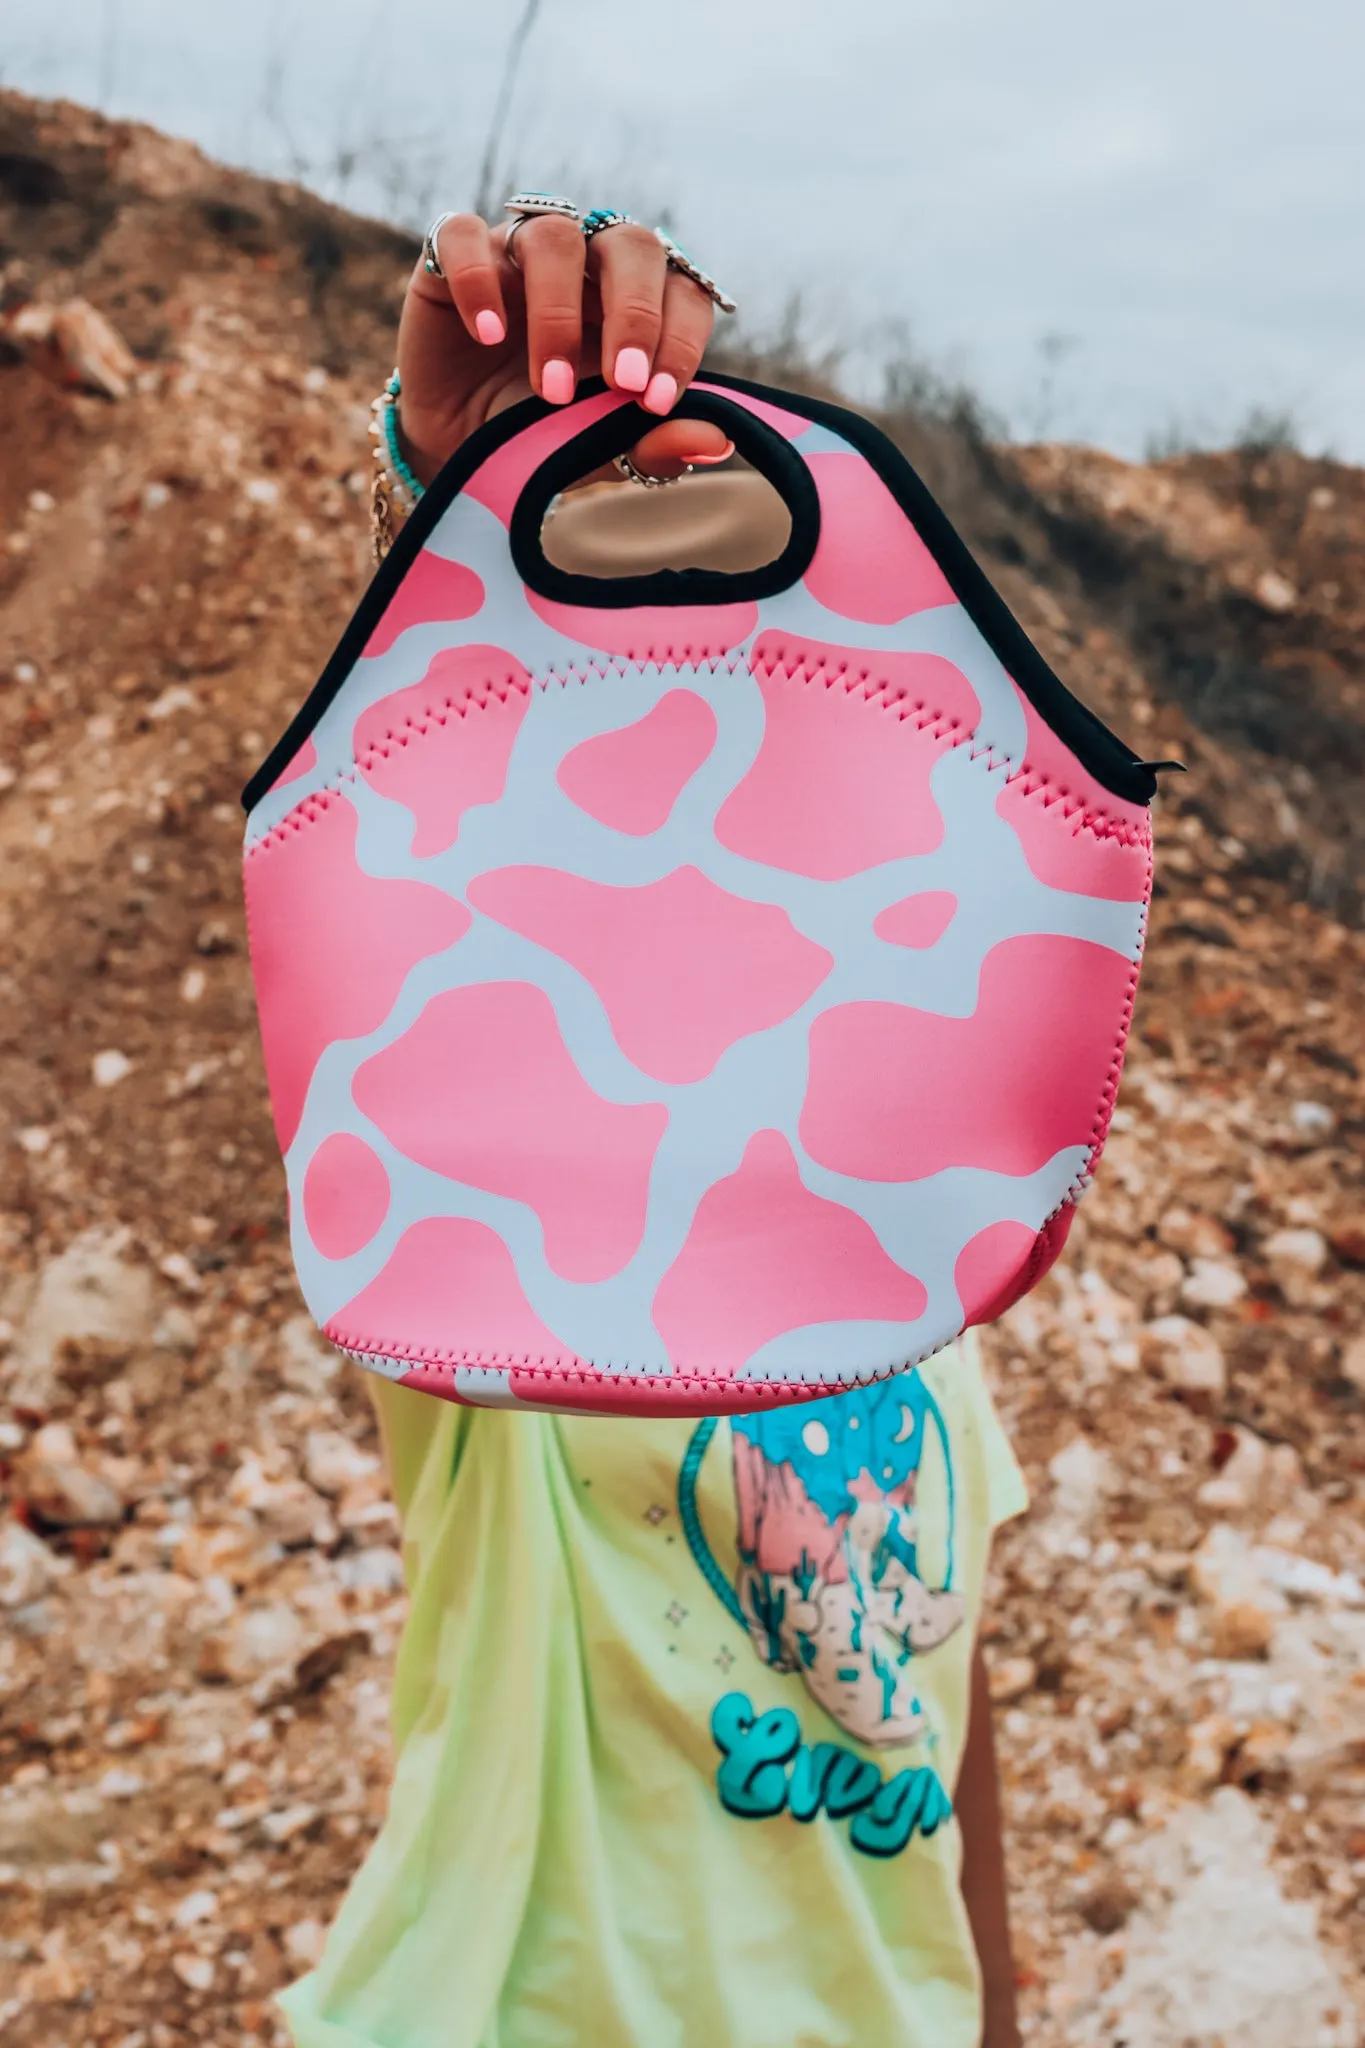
773, 457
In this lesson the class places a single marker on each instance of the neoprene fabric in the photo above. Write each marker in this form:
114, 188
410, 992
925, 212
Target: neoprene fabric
687, 990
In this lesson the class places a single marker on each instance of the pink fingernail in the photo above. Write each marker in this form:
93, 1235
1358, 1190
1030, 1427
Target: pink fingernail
557, 381
706, 461
489, 328
632, 369
662, 392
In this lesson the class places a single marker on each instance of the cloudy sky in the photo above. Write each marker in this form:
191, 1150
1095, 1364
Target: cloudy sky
1117, 222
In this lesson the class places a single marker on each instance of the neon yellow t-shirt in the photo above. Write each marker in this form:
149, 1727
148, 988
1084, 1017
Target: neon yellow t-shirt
678, 1711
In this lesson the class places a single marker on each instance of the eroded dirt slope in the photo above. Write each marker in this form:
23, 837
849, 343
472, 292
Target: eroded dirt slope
200, 1579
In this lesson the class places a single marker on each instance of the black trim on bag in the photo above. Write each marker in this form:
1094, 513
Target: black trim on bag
1108, 758
1100, 751
429, 511
772, 455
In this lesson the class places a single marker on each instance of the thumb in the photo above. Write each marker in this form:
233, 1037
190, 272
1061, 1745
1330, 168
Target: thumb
668, 449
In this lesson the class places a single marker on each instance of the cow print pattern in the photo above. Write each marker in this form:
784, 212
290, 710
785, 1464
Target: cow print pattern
684, 1008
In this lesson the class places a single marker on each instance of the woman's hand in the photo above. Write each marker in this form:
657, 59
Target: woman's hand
491, 332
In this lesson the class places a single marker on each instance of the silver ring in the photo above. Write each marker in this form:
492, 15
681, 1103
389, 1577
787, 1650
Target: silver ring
642, 477
524, 206
508, 251
542, 202
603, 217
431, 262
678, 259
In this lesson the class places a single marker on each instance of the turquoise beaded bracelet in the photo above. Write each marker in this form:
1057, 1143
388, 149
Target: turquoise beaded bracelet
403, 486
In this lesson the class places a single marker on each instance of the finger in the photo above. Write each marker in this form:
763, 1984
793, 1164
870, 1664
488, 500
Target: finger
464, 250
549, 252
628, 264
678, 445
688, 317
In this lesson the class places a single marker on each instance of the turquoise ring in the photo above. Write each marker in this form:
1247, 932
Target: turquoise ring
605, 217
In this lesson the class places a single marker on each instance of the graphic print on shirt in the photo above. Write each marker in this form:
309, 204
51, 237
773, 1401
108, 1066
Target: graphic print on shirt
829, 1586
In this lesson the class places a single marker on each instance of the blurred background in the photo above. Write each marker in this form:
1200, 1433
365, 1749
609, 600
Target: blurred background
1136, 228
1097, 273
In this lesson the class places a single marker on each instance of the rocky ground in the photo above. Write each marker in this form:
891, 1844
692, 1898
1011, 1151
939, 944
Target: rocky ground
200, 1574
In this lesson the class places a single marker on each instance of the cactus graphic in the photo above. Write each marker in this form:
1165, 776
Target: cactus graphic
829, 1583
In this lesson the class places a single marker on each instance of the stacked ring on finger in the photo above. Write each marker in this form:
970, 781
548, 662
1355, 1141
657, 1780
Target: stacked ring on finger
678, 259
603, 217
431, 262
524, 206
531, 203
634, 475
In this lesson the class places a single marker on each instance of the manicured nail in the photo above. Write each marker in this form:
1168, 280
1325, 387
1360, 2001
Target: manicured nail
557, 381
489, 328
662, 391
632, 369
706, 461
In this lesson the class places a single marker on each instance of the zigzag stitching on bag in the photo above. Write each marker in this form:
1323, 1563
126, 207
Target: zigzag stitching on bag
1109, 1093
890, 696
887, 696
614, 1375
1099, 824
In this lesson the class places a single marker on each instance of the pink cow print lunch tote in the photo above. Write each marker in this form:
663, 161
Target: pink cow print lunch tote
690, 991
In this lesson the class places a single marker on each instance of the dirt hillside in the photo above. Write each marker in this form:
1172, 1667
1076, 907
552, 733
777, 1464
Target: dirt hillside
200, 1576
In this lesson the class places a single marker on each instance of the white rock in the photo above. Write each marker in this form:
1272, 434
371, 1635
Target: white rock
194, 1972
63, 1490
1011, 1678
1212, 1283
1295, 1258
178, 1267
304, 1943
1313, 1121
1277, 594
1258, 1475
287, 1509
118, 1783
55, 1443
1302, 1578
1081, 1475
307, 1362
235, 1553
28, 1569
194, 1908
177, 1331
1209, 1896
1245, 1608
286, 1822
332, 1462
1187, 1356
91, 1291
172, 699
1208, 1744
377, 1570
256, 1640
367, 1514
1353, 1363
108, 1068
